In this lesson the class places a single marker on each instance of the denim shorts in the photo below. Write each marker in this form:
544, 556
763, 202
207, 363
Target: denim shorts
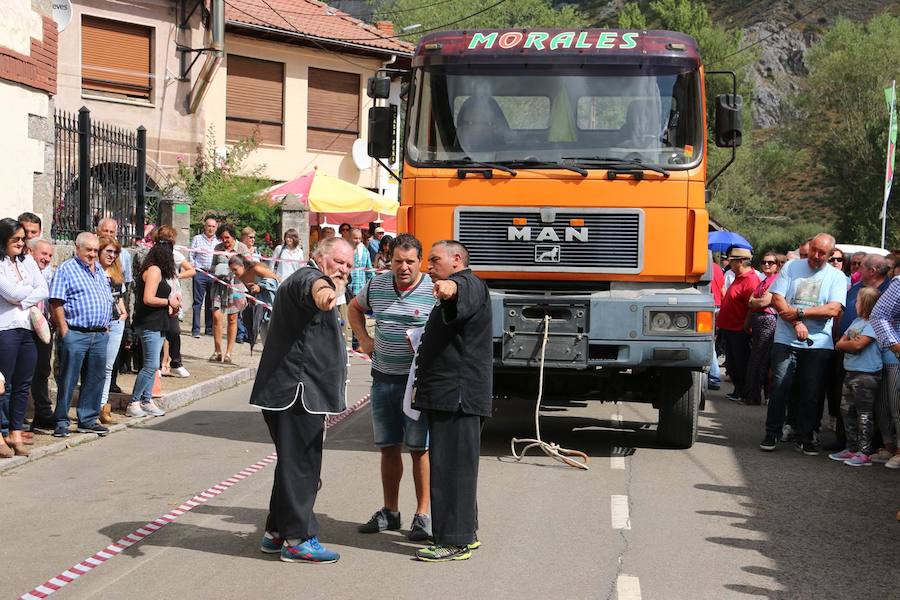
390, 424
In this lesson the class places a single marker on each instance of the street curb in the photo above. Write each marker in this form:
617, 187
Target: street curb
172, 401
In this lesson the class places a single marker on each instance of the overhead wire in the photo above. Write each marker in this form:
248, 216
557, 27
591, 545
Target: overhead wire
774, 33
436, 28
345, 13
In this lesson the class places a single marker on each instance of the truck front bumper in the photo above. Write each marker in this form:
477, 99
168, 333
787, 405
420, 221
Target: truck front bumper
623, 328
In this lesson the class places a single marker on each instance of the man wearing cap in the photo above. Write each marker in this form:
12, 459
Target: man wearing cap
375, 242
733, 317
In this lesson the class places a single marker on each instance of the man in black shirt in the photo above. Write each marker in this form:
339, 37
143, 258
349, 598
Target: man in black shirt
453, 388
301, 379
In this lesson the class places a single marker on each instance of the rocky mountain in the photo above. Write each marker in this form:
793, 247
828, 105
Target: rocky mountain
783, 31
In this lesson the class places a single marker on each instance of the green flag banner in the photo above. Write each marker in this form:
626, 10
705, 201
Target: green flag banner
890, 94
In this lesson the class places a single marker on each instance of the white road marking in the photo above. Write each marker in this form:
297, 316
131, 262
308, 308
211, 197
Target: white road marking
628, 587
619, 506
617, 462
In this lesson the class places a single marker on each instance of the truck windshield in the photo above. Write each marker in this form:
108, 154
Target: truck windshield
545, 113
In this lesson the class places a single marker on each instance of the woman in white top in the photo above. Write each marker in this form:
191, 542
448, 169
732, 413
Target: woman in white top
289, 255
21, 287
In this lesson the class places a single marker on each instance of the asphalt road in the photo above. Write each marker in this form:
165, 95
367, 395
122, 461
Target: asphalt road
722, 520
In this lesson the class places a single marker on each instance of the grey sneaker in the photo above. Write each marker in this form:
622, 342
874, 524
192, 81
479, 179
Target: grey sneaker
149, 407
382, 519
420, 529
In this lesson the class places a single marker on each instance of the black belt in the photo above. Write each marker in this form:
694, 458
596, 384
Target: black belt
89, 329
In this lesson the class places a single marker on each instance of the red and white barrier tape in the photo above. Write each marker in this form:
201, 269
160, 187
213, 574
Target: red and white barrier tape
266, 258
247, 295
55, 584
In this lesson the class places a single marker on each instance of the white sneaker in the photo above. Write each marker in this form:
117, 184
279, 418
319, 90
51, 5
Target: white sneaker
134, 410
894, 462
179, 372
151, 408
787, 433
882, 456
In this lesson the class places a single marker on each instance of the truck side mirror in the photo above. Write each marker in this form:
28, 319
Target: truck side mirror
381, 131
729, 121
378, 88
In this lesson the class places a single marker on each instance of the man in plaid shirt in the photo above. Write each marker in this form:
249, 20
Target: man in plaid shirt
82, 306
362, 263
885, 320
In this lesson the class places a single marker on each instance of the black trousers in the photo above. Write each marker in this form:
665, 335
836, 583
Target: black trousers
737, 356
173, 336
40, 388
298, 438
453, 450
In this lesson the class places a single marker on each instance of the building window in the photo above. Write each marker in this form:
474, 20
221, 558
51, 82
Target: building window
333, 117
116, 58
254, 100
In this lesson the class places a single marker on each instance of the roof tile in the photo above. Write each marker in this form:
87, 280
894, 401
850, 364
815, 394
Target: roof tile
312, 18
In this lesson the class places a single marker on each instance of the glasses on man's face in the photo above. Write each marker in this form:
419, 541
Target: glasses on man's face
769, 263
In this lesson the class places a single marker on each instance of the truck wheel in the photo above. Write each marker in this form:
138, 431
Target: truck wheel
679, 409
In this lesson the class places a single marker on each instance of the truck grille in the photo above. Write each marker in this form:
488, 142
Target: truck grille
547, 242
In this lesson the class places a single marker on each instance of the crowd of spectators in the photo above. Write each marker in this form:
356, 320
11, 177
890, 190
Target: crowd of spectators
810, 330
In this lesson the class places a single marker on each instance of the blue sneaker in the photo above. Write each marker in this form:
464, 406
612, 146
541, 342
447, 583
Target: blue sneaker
310, 551
271, 545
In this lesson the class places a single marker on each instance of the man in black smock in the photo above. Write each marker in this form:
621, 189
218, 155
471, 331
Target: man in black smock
453, 387
301, 379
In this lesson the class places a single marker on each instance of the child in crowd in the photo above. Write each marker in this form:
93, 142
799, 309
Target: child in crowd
862, 362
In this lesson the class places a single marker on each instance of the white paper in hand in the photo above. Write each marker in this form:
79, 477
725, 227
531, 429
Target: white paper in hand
415, 336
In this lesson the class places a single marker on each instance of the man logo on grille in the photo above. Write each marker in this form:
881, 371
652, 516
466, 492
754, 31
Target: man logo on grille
546, 254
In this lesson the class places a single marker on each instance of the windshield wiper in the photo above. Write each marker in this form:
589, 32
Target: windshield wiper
618, 163
547, 163
485, 168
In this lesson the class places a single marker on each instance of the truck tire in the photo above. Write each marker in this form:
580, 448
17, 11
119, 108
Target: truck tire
678, 411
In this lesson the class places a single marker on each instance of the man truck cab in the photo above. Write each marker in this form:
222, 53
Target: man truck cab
573, 165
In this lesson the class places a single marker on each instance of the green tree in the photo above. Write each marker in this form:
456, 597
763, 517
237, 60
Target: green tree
631, 17
449, 15
223, 186
841, 115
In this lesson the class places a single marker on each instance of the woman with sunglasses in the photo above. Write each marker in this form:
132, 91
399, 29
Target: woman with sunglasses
110, 250
21, 287
839, 262
761, 320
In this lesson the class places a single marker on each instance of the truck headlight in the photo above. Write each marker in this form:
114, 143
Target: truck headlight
675, 322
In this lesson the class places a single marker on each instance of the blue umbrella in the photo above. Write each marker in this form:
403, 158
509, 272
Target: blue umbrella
720, 241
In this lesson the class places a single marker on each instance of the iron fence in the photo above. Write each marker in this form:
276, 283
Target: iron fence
100, 171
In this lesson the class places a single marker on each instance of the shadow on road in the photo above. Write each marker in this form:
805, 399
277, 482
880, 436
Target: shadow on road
233, 539
827, 529
241, 426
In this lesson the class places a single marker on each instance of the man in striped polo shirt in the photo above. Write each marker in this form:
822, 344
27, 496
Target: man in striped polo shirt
400, 300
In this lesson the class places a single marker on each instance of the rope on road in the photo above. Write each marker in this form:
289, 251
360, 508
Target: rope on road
555, 451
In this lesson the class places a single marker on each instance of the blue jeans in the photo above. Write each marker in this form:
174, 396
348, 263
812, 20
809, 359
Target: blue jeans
201, 287
715, 375
151, 346
390, 424
18, 355
78, 348
805, 368
116, 329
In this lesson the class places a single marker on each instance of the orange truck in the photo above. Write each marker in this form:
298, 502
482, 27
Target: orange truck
573, 166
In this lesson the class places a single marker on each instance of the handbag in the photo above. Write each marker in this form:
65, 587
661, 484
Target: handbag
39, 324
